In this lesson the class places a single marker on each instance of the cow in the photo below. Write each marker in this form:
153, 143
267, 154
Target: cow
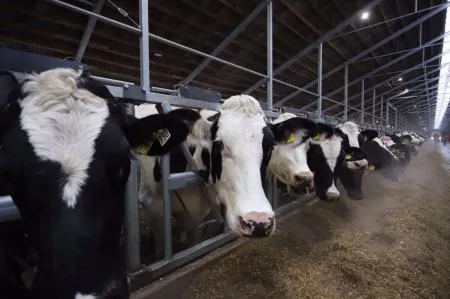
325, 159
231, 148
355, 162
406, 140
65, 160
380, 158
288, 162
400, 150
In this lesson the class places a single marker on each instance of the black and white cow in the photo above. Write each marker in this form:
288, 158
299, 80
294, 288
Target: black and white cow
380, 158
355, 162
288, 162
65, 159
232, 148
400, 150
406, 140
326, 159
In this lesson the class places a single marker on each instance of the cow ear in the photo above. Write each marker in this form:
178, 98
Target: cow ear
283, 131
158, 134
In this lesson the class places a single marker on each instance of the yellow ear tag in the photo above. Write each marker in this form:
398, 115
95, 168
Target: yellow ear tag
365, 138
315, 138
291, 138
371, 167
143, 149
348, 157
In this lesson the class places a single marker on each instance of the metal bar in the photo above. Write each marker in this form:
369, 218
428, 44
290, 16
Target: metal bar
311, 47
269, 55
369, 50
346, 93
240, 28
381, 111
373, 107
88, 31
144, 45
131, 223
396, 120
387, 113
167, 206
99, 17
362, 101
319, 85
382, 83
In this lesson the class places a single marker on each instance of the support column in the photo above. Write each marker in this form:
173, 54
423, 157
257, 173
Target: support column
319, 82
381, 111
144, 45
362, 101
346, 93
269, 56
373, 107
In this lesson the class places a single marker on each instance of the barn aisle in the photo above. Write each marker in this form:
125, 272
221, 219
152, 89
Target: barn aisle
393, 244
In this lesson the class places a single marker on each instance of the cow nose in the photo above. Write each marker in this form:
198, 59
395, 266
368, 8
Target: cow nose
257, 224
304, 177
332, 195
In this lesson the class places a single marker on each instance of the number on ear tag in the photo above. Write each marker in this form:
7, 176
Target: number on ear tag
164, 136
348, 157
372, 168
291, 138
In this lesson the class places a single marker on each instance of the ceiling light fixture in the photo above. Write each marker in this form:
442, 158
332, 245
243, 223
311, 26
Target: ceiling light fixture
365, 15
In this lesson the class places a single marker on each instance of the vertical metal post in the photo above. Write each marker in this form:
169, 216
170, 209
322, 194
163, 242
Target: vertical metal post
319, 80
346, 93
362, 101
373, 107
131, 223
396, 119
167, 207
381, 111
144, 45
387, 113
269, 56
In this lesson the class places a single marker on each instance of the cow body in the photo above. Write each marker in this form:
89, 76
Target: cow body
65, 160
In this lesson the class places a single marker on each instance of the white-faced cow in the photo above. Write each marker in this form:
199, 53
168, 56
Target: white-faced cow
355, 162
288, 162
65, 159
231, 147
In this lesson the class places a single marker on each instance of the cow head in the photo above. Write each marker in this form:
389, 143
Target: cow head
355, 161
379, 156
288, 162
65, 160
239, 143
324, 157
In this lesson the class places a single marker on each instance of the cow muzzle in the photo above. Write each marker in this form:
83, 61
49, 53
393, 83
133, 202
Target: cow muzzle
256, 224
303, 183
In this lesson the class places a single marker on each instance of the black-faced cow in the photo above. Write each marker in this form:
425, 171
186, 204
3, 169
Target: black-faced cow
380, 158
288, 162
231, 148
64, 159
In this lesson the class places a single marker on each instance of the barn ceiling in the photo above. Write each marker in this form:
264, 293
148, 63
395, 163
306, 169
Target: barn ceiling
42, 27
